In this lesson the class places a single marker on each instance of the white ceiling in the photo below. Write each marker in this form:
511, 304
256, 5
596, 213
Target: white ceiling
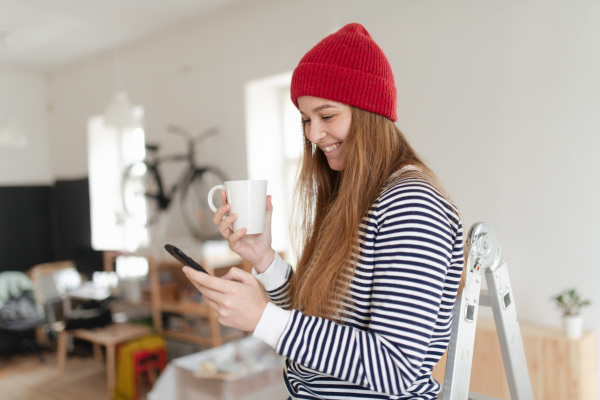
43, 35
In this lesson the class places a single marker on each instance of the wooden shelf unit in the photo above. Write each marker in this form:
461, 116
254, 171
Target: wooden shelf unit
559, 368
188, 307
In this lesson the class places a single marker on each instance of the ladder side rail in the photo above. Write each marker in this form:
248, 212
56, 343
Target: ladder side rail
509, 334
462, 339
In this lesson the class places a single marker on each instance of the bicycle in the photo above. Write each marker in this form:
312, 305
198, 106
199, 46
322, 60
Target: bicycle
145, 195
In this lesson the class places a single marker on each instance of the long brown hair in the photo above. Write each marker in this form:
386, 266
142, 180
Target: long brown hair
330, 205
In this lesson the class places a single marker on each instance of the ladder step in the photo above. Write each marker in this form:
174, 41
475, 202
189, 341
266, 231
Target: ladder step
478, 396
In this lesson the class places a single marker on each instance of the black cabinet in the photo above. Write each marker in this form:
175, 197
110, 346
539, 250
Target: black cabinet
41, 224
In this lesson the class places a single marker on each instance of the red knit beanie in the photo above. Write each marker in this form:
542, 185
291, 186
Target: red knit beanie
350, 68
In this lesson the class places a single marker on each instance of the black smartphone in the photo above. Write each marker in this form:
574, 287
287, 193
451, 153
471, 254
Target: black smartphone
184, 258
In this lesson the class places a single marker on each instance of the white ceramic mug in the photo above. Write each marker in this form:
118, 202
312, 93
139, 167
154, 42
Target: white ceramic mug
248, 199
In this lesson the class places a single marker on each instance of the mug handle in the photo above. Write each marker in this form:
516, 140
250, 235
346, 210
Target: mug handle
210, 196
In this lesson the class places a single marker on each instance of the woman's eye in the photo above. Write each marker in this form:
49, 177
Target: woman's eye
305, 121
326, 117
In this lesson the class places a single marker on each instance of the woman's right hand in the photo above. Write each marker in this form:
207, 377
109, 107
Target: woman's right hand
254, 248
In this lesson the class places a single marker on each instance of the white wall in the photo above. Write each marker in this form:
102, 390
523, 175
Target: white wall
23, 99
501, 98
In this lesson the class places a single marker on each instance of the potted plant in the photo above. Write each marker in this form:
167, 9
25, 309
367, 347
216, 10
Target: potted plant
570, 303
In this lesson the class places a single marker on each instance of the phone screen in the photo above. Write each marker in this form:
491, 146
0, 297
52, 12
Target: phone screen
184, 258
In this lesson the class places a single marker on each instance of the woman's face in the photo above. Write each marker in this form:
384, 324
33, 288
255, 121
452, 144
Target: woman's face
326, 124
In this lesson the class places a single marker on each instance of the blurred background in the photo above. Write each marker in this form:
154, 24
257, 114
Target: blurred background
501, 99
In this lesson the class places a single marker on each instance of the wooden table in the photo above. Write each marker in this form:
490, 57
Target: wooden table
109, 336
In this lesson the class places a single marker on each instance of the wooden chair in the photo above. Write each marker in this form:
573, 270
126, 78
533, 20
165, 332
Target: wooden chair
48, 291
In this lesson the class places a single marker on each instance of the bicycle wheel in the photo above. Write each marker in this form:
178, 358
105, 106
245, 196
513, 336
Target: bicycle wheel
197, 215
139, 191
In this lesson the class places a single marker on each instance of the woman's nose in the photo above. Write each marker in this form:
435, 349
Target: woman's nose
315, 134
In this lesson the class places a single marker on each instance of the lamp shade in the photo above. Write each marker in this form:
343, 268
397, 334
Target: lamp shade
12, 135
119, 112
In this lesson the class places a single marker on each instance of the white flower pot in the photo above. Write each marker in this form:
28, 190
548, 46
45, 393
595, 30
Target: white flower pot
573, 326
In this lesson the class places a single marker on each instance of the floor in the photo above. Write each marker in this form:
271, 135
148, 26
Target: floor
26, 378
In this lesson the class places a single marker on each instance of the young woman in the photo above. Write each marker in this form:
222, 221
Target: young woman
367, 311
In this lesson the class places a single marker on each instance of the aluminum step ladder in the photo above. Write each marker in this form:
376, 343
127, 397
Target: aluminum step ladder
485, 254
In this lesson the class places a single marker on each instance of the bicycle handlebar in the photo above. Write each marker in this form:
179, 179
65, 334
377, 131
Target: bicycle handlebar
188, 136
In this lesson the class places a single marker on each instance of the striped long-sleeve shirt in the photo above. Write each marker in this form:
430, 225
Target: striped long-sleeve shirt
399, 305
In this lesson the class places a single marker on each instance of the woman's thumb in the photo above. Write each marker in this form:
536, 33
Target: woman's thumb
238, 275
269, 211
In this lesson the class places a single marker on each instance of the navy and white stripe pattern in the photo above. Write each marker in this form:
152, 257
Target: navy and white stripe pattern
398, 312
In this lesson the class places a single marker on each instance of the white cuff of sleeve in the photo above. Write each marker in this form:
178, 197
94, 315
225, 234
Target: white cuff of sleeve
271, 325
275, 275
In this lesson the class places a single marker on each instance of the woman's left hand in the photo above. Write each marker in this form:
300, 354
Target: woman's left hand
237, 297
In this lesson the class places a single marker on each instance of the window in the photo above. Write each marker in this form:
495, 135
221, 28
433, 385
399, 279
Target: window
274, 144
110, 150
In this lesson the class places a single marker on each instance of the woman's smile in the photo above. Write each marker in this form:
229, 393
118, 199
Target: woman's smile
330, 148
326, 124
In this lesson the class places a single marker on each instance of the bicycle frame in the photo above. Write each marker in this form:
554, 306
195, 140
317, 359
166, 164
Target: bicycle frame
191, 185
164, 195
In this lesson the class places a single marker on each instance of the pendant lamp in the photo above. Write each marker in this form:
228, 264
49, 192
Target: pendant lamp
119, 113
